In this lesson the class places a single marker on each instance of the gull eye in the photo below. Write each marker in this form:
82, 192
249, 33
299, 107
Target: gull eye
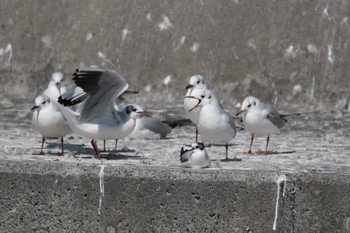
209, 97
197, 147
249, 105
202, 96
198, 82
254, 103
134, 109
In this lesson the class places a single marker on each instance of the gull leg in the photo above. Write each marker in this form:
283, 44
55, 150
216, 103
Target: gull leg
116, 143
94, 145
62, 153
196, 134
267, 144
249, 152
104, 145
226, 147
42, 146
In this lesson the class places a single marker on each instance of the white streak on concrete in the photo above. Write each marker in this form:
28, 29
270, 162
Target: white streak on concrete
149, 17
47, 41
312, 49
6, 54
148, 88
312, 91
125, 32
167, 80
102, 188
290, 52
325, 13
165, 24
102, 57
279, 180
195, 47
236, 1
89, 36
181, 43
330, 54
297, 89
344, 22
251, 43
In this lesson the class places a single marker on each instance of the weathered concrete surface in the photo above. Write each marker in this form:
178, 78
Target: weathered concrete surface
64, 197
148, 191
288, 52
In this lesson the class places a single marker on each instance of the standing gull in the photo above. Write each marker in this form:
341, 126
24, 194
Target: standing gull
214, 124
98, 118
196, 85
261, 119
56, 86
48, 121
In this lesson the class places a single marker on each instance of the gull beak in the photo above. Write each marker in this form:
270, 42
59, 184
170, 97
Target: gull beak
189, 86
239, 112
192, 97
144, 114
34, 107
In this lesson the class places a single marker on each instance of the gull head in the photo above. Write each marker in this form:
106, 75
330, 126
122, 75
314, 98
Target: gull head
135, 111
204, 97
57, 81
196, 81
248, 103
40, 101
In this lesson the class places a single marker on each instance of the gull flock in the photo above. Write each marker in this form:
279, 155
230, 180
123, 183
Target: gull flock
100, 116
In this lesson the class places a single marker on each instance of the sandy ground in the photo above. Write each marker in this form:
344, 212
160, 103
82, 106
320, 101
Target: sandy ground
312, 142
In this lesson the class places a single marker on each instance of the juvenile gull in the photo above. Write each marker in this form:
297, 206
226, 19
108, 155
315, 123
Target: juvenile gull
196, 157
98, 119
196, 85
261, 119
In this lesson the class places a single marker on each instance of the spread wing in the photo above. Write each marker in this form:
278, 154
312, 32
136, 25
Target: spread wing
102, 88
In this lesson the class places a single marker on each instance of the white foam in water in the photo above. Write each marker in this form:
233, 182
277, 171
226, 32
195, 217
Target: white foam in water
102, 188
279, 180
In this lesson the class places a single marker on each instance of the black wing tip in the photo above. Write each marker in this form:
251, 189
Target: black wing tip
66, 102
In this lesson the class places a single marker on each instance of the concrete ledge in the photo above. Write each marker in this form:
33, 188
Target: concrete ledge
69, 197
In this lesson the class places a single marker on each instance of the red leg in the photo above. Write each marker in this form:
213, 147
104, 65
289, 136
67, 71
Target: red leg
249, 152
267, 144
42, 146
94, 145
62, 153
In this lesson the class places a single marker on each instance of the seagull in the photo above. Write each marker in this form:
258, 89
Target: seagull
98, 119
48, 121
148, 127
261, 119
196, 157
78, 96
56, 86
196, 85
214, 123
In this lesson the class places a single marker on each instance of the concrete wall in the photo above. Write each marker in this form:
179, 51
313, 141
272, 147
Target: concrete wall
289, 52
64, 197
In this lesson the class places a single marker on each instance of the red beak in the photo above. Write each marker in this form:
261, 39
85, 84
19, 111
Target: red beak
192, 97
144, 114
239, 112
34, 107
189, 86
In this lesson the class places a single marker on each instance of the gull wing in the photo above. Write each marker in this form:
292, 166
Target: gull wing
102, 88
